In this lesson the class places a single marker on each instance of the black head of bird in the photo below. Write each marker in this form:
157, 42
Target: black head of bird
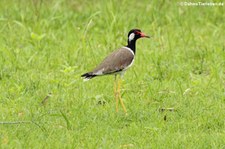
133, 35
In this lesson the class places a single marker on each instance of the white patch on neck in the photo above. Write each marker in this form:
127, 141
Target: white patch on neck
129, 50
129, 65
132, 60
131, 37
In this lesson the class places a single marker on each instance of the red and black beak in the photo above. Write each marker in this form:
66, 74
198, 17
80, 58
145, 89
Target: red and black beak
143, 35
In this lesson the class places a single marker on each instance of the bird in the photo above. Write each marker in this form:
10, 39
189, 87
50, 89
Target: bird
117, 63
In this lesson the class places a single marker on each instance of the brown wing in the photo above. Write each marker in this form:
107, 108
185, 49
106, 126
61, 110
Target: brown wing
115, 62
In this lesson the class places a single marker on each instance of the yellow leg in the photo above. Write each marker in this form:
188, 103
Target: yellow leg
116, 94
121, 101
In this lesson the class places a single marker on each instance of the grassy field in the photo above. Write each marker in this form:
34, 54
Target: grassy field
46, 45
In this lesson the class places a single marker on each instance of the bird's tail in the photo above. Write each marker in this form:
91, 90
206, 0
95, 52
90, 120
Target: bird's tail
88, 76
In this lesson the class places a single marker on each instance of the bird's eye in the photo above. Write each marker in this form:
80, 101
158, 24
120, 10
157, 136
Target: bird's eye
136, 32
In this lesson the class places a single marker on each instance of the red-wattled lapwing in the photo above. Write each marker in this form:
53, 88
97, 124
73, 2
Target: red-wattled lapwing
117, 63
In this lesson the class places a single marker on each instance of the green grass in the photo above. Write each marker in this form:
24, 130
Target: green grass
46, 45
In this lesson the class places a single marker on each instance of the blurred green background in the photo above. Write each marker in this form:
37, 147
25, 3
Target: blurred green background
46, 45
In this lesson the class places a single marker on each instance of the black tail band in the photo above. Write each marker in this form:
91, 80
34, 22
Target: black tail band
88, 75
